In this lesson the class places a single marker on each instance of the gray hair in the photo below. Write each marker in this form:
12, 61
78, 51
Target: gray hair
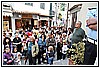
80, 23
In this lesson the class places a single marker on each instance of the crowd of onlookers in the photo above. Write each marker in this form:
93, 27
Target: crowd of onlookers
41, 45
36, 46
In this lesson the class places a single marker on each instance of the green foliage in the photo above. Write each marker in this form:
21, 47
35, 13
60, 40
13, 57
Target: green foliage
76, 53
62, 7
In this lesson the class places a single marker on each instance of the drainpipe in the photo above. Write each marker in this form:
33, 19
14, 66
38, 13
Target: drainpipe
50, 13
67, 16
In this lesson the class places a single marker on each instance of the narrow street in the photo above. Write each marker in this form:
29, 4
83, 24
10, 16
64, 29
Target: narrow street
49, 33
61, 62
55, 62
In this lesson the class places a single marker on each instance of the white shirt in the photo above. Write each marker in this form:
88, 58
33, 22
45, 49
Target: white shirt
64, 49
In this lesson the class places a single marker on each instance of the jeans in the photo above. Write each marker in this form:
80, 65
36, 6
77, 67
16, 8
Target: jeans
50, 60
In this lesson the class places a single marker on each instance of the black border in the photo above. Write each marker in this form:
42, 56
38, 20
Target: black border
50, 65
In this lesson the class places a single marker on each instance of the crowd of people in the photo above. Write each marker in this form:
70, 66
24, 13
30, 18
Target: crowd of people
42, 45
36, 46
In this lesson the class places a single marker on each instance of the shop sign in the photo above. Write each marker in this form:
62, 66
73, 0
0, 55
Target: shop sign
26, 15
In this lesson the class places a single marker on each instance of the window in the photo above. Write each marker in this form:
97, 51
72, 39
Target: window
29, 4
42, 5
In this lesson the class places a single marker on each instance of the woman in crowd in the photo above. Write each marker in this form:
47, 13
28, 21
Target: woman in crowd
34, 52
42, 48
24, 49
59, 48
30, 44
7, 42
8, 57
64, 49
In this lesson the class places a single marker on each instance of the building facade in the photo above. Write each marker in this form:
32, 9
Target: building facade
19, 15
60, 15
7, 15
26, 15
77, 12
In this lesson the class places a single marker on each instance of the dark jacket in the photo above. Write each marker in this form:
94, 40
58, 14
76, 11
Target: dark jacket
51, 42
50, 54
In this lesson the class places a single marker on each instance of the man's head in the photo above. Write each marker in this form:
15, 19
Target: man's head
78, 24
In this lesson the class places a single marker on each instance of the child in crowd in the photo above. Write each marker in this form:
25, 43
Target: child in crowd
18, 58
50, 55
64, 49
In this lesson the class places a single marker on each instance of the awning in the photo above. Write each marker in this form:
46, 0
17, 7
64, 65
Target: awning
75, 6
24, 9
24, 12
41, 15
